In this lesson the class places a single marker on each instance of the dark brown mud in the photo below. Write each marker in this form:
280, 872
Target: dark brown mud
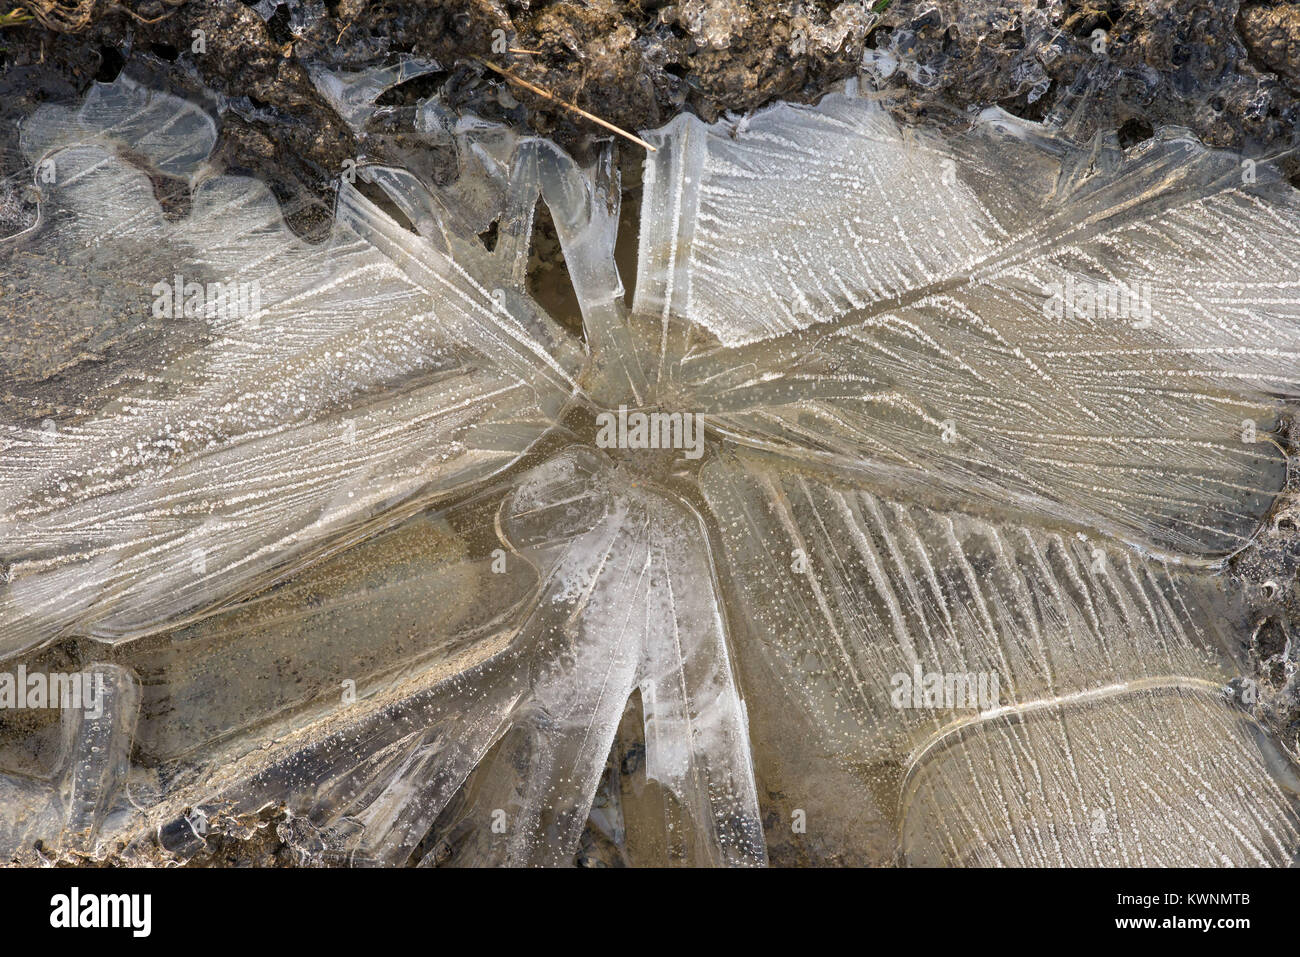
1228, 71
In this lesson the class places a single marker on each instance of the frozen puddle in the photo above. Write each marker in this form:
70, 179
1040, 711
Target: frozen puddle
347, 537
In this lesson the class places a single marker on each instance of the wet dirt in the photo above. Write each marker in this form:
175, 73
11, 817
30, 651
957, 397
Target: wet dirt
1229, 71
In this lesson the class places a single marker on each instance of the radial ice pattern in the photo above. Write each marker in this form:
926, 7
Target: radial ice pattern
981, 402
626, 602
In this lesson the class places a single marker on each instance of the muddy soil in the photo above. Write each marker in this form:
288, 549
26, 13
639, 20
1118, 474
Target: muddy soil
1229, 71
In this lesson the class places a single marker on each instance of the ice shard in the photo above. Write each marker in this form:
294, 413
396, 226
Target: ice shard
181, 440
997, 313
979, 656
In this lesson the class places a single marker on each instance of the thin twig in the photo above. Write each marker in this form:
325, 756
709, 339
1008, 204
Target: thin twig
564, 103
147, 22
338, 38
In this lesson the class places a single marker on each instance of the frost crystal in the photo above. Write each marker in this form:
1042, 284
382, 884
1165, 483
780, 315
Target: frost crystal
986, 414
